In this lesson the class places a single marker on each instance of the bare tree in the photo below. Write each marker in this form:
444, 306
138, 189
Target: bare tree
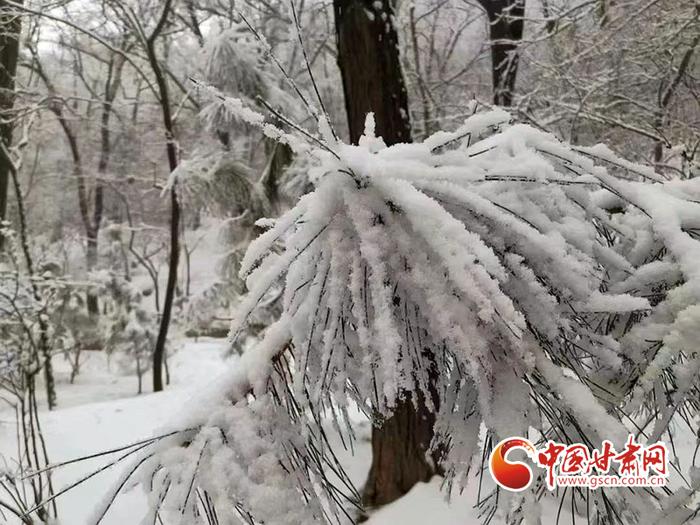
624, 72
91, 213
668, 89
171, 149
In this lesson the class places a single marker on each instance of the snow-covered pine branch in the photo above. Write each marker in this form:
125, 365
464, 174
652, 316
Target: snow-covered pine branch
235, 64
514, 282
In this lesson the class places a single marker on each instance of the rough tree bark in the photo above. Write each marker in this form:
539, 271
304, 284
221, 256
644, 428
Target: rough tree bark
370, 67
505, 32
368, 58
171, 149
10, 28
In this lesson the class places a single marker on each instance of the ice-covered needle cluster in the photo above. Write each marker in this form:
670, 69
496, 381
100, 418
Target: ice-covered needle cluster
519, 284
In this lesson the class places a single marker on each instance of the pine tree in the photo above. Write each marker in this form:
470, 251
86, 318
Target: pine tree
531, 284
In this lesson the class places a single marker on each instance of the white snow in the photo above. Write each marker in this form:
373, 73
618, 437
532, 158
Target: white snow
101, 411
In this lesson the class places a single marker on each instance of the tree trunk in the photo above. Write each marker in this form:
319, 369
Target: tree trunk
10, 27
171, 150
368, 58
399, 454
369, 63
93, 307
505, 32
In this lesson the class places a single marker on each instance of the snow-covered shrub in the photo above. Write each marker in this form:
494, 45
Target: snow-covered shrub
131, 328
33, 313
520, 284
18, 327
236, 63
74, 329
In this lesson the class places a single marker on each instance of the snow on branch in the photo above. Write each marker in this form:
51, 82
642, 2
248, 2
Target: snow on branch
482, 269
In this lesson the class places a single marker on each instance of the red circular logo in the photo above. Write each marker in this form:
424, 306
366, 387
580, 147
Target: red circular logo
513, 476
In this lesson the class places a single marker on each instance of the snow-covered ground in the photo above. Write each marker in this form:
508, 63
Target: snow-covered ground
102, 411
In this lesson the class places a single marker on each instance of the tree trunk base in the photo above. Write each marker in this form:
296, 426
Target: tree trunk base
400, 457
